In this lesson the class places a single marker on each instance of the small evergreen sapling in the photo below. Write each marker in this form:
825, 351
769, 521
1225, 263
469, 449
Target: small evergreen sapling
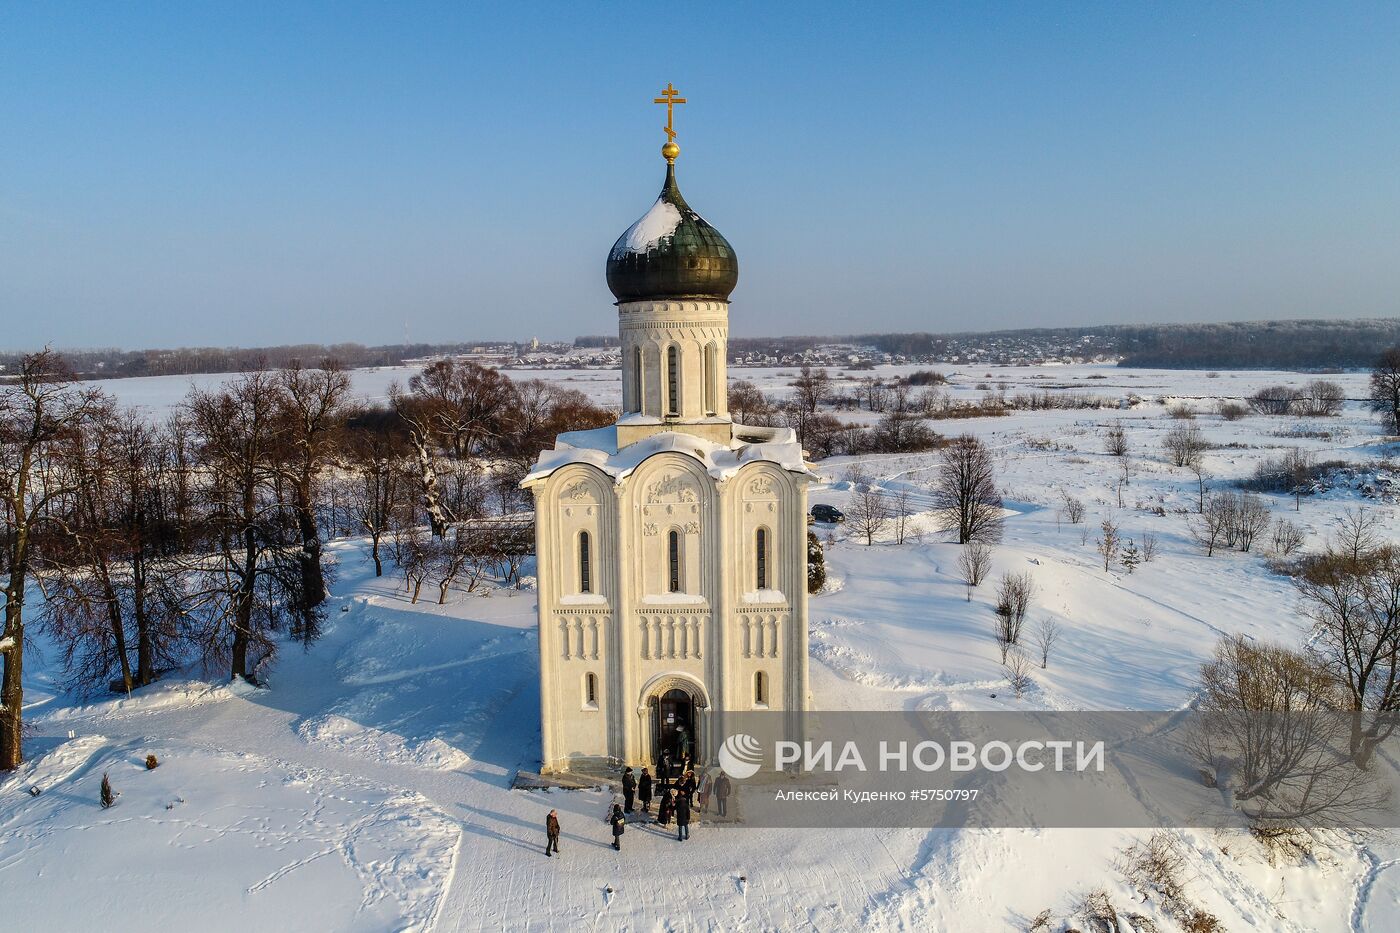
152, 762
816, 564
108, 797
1131, 556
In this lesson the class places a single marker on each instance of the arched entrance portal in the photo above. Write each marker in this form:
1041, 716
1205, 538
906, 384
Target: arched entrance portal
675, 727
675, 709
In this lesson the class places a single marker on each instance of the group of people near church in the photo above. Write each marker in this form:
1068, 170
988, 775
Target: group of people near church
677, 790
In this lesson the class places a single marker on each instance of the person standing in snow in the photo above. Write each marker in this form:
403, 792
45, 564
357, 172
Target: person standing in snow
644, 790
722, 789
703, 791
551, 833
619, 825
663, 809
629, 789
682, 817
688, 786
663, 774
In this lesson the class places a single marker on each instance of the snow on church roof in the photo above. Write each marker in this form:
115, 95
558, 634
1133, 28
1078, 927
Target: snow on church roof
653, 226
598, 448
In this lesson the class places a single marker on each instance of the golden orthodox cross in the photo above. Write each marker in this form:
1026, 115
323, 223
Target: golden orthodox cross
670, 97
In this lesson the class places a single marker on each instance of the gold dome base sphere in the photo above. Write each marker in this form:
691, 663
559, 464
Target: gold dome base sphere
670, 151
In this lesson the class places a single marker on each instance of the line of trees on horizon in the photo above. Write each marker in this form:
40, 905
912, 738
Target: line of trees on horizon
1296, 344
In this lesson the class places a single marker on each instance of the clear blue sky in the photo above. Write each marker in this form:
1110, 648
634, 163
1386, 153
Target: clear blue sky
257, 173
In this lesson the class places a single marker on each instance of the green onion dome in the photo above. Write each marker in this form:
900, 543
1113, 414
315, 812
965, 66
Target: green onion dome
671, 252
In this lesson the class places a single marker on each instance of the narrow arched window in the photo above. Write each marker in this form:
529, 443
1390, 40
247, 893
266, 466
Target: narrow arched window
590, 690
585, 563
673, 556
637, 403
760, 545
760, 689
710, 385
673, 381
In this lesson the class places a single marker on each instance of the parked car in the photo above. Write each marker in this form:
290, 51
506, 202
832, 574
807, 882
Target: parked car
829, 514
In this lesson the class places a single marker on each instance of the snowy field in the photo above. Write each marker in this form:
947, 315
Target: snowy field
367, 786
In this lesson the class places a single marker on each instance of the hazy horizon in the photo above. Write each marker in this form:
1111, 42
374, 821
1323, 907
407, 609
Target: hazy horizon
261, 175
487, 340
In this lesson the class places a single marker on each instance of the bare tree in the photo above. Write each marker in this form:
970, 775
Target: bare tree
1149, 547
1298, 470
975, 561
747, 404
412, 553
1385, 389
869, 513
1267, 734
902, 508
876, 391
1287, 537
244, 588
1320, 399
811, 388
1074, 510
1202, 477
1355, 608
965, 493
455, 557
1046, 636
463, 403
1109, 541
39, 410
1251, 519
1014, 595
1115, 440
1212, 529
1357, 533
104, 567
1018, 673
1274, 400
417, 418
1231, 411
312, 403
1184, 444
375, 448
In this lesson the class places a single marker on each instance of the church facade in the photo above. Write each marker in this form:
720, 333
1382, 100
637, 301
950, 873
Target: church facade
671, 546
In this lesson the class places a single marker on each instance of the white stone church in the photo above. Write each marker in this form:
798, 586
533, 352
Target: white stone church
672, 546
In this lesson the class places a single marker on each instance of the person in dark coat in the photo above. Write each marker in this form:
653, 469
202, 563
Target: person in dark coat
619, 825
682, 817
663, 809
551, 833
644, 790
629, 789
722, 789
688, 785
663, 774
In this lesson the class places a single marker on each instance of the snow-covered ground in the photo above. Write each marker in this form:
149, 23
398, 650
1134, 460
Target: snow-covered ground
367, 787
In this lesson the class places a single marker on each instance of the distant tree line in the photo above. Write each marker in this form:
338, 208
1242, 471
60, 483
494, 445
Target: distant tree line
1267, 344
200, 538
1317, 345
183, 361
